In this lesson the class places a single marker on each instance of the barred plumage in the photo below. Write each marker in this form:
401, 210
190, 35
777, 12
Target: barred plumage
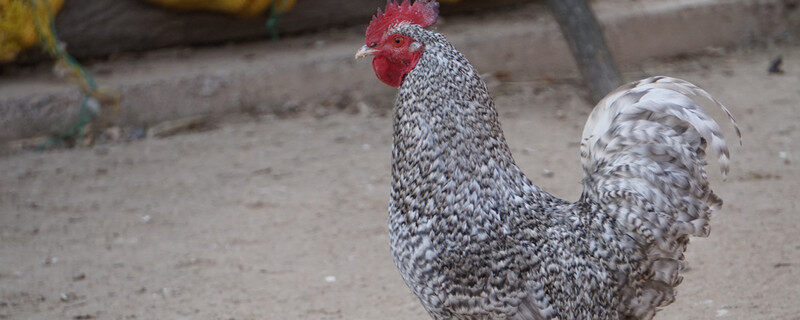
474, 238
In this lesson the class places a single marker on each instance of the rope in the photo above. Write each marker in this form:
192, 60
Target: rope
92, 97
276, 11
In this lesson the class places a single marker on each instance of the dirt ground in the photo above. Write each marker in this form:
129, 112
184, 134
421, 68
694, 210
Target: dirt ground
286, 218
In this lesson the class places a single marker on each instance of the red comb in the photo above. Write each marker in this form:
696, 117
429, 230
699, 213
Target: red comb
422, 12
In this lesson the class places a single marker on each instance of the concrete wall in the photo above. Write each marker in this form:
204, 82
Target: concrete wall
320, 70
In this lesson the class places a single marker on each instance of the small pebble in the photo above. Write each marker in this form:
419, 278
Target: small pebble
49, 261
93, 105
68, 297
775, 66
784, 155
722, 313
330, 279
31, 204
111, 134
135, 134
547, 173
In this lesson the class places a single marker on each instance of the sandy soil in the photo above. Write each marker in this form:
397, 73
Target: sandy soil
286, 219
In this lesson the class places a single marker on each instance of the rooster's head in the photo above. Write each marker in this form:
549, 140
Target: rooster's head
395, 54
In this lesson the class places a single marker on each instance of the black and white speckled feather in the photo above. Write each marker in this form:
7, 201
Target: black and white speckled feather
474, 239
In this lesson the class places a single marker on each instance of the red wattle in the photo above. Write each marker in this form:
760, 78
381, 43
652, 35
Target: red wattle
389, 72
393, 71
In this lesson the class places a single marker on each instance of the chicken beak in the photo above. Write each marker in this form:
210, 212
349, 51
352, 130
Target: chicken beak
364, 51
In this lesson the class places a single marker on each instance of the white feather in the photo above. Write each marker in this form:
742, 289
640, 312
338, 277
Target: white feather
643, 156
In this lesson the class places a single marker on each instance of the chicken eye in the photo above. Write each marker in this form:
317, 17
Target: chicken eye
398, 41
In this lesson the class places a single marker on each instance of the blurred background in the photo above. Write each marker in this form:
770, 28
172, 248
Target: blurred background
188, 159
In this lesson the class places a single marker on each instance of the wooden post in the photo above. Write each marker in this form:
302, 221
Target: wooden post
588, 46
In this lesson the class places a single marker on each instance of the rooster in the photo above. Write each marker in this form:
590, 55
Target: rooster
474, 238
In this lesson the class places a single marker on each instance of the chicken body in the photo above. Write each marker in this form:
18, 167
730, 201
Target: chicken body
475, 239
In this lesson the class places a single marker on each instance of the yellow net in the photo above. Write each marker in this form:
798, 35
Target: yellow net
242, 8
18, 29
24, 23
246, 8
18, 18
